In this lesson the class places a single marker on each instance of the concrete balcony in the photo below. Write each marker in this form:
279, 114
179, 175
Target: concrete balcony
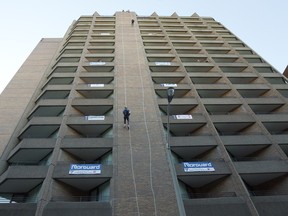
199, 67
245, 80
180, 91
98, 92
163, 57
65, 64
258, 172
61, 75
83, 182
97, 78
31, 151
220, 206
204, 78
22, 179
48, 107
241, 118
93, 106
241, 146
218, 50
273, 117
57, 80
65, 69
226, 59
93, 58
77, 208
222, 92
183, 43
252, 91
98, 66
233, 67
215, 86
276, 123
232, 124
174, 77
179, 37
264, 105
102, 50
184, 127
41, 127
51, 102
103, 37
271, 205
188, 50
102, 25
281, 138
91, 127
163, 66
221, 101
57, 88
251, 86
191, 147
155, 43
103, 42
55, 92
87, 149
245, 139
20, 209
178, 105
199, 179
48, 111
153, 37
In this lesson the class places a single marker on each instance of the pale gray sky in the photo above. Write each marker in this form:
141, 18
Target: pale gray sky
262, 25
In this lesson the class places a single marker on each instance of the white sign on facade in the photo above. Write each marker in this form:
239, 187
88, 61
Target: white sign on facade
85, 169
183, 116
97, 63
95, 118
163, 63
169, 84
96, 85
198, 167
105, 34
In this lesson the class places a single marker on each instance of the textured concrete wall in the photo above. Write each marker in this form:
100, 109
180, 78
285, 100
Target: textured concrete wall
142, 179
20, 89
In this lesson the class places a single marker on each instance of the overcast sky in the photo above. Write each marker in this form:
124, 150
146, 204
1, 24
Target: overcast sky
262, 25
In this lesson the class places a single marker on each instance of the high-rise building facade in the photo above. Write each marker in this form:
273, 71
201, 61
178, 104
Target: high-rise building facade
218, 147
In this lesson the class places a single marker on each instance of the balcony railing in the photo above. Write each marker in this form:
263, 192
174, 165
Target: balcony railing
269, 193
80, 199
17, 199
238, 159
103, 162
208, 195
29, 163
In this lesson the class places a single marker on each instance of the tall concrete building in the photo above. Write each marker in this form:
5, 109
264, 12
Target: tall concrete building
64, 148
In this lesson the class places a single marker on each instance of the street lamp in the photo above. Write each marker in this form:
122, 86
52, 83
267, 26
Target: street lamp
170, 95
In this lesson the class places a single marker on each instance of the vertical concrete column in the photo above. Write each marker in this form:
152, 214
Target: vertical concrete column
142, 183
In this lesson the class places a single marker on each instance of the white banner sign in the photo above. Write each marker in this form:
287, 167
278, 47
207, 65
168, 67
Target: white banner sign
163, 63
168, 85
198, 167
95, 118
96, 85
97, 63
85, 169
183, 116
